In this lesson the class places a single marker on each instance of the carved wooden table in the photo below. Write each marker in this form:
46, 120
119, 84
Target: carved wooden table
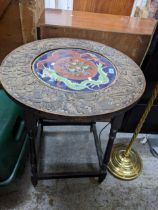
71, 81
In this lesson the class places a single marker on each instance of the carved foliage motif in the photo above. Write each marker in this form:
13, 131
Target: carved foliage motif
21, 83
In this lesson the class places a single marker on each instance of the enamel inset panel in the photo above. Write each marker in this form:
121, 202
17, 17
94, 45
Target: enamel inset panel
74, 70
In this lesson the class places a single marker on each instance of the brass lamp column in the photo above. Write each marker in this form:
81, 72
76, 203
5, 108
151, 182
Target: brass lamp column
125, 163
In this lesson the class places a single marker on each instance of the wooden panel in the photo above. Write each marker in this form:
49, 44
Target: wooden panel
132, 45
3, 6
18, 23
117, 7
129, 35
30, 11
10, 29
102, 22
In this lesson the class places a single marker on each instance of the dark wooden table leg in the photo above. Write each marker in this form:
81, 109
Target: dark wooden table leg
115, 125
31, 127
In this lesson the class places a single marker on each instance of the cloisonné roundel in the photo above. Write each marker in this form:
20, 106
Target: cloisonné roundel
74, 70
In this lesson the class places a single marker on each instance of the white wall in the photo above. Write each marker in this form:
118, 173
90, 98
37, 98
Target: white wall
49, 3
138, 3
59, 4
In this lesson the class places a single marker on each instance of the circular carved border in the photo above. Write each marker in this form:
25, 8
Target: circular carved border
19, 81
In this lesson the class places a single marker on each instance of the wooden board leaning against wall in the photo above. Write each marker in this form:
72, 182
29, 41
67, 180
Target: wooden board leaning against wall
18, 19
116, 7
129, 35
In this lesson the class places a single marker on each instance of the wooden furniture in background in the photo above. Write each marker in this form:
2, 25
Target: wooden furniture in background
3, 5
18, 19
127, 34
117, 7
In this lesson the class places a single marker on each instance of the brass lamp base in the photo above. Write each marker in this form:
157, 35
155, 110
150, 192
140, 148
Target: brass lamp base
125, 168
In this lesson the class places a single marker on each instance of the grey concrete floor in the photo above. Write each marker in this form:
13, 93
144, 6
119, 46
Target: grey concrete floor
73, 148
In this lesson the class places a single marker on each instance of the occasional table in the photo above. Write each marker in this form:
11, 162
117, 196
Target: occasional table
71, 81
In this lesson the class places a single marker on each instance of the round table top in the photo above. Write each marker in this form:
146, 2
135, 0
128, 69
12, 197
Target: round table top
72, 77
